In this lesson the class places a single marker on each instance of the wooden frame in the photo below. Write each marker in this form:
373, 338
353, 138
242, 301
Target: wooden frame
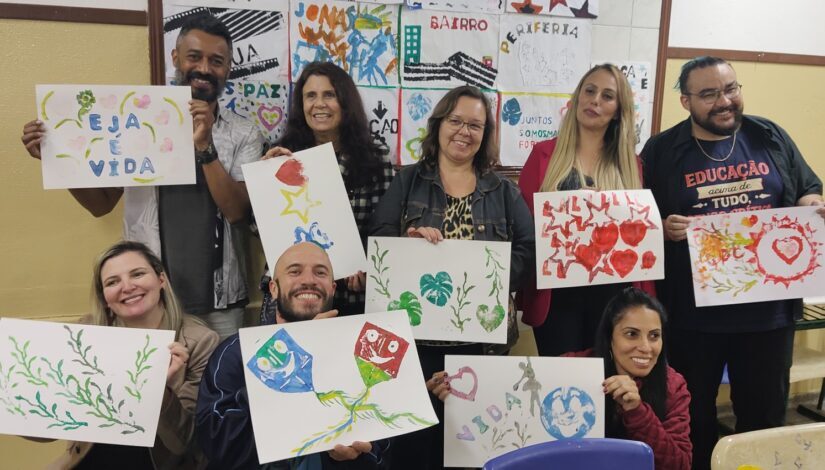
19, 11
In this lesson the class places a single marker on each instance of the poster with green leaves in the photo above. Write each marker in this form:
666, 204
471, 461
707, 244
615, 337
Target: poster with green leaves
81, 382
456, 290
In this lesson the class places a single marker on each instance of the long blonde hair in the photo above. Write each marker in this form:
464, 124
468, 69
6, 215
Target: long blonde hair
617, 167
101, 315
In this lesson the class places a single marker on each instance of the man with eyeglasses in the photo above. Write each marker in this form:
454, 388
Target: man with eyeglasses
718, 161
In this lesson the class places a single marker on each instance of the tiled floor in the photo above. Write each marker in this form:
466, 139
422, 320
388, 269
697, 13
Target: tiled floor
726, 418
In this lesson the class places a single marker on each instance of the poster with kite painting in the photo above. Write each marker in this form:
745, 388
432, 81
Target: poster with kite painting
754, 256
334, 381
587, 237
500, 404
588, 9
302, 198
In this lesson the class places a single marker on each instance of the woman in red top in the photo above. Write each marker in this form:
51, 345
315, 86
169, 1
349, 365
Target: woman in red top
594, 150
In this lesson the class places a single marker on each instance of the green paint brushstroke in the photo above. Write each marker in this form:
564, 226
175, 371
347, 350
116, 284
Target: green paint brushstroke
123, 103
175, 105
43, 105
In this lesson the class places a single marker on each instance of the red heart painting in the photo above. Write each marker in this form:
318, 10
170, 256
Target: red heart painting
788, 249
604, 238
633, 231
291, 173
588, 256
648, 260
623, 261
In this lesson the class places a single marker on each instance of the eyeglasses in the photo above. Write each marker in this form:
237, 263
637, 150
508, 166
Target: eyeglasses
711, 96
455, 124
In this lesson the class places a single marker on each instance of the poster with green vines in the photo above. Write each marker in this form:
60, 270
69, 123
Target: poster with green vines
456, 290
82, 382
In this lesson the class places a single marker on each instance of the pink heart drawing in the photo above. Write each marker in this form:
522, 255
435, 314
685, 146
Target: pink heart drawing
465, 434
270, 116
143, 102
470, 394
78, 143
166, 146
162, 118
788, 249
109, 102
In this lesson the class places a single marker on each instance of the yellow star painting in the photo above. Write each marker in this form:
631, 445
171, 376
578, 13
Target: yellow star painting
298, 203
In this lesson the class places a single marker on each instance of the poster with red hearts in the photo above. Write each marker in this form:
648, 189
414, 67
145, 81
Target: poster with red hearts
588, 237
502, 403
754, 256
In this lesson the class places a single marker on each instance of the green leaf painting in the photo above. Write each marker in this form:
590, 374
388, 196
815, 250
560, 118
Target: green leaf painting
409, 302
436, 289
490, 318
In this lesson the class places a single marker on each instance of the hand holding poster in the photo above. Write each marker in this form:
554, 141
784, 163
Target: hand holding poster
101, 136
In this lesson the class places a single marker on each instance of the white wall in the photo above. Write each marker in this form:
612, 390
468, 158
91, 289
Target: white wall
139, 5
787, 26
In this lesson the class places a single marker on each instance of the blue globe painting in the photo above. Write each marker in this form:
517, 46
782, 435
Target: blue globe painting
568, 413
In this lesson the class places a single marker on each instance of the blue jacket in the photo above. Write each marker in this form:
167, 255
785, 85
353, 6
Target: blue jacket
416, 198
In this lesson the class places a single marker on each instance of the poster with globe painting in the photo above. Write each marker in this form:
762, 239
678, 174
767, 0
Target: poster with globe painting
333, 381
502, 403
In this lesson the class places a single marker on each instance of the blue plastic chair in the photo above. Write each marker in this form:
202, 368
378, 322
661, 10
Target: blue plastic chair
577, 454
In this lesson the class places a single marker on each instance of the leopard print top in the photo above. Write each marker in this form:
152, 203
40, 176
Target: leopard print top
458, 218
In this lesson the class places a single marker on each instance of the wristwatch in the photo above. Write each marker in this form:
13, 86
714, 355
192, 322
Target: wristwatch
208, 155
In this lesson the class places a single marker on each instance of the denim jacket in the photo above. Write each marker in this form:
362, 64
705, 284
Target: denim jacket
416, 198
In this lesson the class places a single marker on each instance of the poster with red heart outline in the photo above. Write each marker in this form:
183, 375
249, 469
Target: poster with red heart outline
587, 237
502, 403
755, 256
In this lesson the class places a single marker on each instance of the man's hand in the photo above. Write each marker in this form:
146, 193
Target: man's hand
341, 452
328, 314
357, 282
33, 132
676, 227
202, 120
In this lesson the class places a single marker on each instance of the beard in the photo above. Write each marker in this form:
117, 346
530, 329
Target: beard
706, 122
198, 93
285, 306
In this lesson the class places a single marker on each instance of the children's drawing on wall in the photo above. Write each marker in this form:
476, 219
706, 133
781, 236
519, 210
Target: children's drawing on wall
81, 382
264, 103
302, 198
570, 8
526, 119
456, 290
498, 404
381, 106
359, 38
100, 136
587, 237
543, 53
753, 256
466, 6
446, 49
335, 381
640, 78
259, 29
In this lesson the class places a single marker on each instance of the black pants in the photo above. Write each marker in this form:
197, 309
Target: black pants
758, 367
424, 449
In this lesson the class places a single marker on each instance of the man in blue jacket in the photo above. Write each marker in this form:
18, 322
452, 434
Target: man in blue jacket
303, 286
720, 161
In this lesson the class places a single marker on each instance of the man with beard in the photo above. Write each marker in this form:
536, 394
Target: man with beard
720, 161
191, 226
302, 287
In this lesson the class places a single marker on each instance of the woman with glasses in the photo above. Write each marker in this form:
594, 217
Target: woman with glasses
594, 150
453, 193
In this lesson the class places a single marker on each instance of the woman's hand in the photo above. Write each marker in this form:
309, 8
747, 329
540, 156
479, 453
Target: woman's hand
432, 235
341, 452
438, 386
357, 282
180, 356
624, 391
276, 152
676, 227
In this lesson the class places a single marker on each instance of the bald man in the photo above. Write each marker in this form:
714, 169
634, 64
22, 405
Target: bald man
303, 287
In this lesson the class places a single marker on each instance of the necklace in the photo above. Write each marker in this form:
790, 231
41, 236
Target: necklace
715, 158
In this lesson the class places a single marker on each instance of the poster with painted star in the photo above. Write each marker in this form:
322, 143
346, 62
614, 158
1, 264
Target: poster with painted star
335, 381
467, 6
525, 120
381, 106
543, 54
446, 49
359, 37
502, 403
302, 198
588, 9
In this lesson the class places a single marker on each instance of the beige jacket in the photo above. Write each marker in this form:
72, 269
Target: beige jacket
172, 449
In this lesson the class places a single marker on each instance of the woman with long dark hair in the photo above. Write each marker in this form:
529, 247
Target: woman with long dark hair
326, 107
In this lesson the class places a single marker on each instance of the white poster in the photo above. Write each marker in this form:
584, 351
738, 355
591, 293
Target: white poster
381, 107
527, 119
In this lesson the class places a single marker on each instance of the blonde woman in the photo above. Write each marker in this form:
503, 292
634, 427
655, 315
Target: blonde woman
594, 150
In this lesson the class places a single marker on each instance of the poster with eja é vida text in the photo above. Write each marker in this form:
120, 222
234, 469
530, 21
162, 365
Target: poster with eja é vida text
100, 136
588, 237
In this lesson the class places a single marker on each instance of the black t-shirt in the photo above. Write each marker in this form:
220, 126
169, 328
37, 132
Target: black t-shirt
745, 180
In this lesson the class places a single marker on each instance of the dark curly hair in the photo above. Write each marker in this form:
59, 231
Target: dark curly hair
364, 160
693, 64
208, 24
